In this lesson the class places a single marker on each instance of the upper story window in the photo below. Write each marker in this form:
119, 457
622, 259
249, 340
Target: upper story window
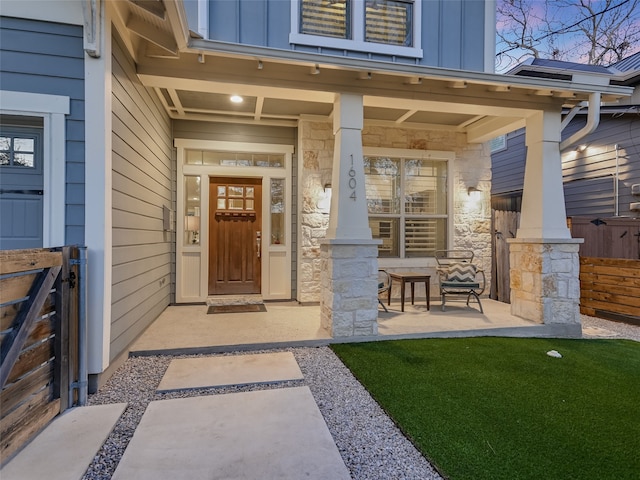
378, 26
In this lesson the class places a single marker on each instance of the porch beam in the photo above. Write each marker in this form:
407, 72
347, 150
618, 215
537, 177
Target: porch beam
152, 34
490, 127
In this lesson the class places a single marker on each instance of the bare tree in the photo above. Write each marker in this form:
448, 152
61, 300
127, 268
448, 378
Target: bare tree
597, 32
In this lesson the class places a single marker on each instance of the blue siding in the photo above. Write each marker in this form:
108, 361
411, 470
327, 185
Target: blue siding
452, 30
588, 175
253, 17
48, 58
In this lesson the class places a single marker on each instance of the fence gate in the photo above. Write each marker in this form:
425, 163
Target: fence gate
39, 340
505, 225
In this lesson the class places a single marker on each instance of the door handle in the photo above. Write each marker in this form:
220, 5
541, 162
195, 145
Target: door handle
259, 242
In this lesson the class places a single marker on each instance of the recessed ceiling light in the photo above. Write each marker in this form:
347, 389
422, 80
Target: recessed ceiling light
236, 99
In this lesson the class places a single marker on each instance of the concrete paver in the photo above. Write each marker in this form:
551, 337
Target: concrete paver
64, 450
262, 434
206, 372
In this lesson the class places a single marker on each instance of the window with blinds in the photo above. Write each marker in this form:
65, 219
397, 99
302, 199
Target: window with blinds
327, 18
407, 200
388, 22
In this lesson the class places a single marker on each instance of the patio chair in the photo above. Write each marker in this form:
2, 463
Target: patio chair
384, 284
458, 275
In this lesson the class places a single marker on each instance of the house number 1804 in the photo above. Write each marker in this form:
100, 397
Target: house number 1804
352, 181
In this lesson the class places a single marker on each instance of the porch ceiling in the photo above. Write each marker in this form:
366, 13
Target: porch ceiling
194, 79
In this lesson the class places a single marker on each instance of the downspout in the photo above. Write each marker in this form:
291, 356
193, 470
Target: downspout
83, 376
593, 120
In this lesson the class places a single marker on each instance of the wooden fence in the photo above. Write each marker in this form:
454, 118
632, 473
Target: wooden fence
611, 237
39, 340
505, 225
610, 288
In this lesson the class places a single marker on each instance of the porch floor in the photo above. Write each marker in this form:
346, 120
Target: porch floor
189, 329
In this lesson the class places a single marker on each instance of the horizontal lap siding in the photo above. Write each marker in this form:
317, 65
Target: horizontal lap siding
588, 176
48, 58
143, 172
507, 166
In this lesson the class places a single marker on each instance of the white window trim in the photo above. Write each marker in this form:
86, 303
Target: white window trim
449, 157
52, 109
358, 43
502, 139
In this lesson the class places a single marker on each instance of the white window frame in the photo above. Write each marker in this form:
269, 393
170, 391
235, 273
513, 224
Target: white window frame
357, 27
448, 157
52, 109
498, 144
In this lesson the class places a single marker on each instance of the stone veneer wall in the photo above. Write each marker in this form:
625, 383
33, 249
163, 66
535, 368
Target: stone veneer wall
472, 168
545, 284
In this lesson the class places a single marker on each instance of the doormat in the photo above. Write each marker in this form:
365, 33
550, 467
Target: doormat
248, 308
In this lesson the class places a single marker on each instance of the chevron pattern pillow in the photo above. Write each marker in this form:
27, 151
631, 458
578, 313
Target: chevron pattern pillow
461, 272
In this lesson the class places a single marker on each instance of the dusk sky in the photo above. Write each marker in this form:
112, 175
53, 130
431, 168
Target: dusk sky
569, 45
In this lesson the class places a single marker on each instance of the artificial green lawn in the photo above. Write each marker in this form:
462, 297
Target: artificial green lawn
501, 408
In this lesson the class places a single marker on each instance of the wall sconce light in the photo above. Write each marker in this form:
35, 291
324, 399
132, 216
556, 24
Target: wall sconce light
324, 199
474, 193
581, 148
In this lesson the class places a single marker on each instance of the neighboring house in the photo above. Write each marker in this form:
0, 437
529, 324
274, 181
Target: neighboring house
361, 130
599, 171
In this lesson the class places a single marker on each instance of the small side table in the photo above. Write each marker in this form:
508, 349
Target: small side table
412, 278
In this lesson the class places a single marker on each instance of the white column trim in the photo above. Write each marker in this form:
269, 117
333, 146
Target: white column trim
98, 195
52, 109
348, 218
543, 205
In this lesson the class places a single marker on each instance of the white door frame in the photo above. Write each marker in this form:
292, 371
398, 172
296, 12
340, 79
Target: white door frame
192, 261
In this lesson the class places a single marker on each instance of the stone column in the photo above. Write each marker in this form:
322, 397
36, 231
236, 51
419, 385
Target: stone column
544, 263
349, 299
545, 285
349, 256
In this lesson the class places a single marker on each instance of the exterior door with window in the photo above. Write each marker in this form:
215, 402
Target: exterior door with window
21, 187
235, 235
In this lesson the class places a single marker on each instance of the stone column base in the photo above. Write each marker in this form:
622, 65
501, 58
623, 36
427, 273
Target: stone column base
545, 284
349, 297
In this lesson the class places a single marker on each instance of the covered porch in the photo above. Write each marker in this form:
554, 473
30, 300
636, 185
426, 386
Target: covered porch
188, 329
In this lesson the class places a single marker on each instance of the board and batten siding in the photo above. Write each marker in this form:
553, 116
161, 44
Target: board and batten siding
588, 176
48, 58
453, 31
143, 182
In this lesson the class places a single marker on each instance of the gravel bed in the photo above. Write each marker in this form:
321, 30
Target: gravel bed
619, 329
371, 446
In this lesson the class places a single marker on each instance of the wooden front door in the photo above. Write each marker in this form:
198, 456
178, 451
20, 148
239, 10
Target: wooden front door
235, 225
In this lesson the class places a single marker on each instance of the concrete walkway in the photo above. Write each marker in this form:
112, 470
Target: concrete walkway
64, 450
274, 433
